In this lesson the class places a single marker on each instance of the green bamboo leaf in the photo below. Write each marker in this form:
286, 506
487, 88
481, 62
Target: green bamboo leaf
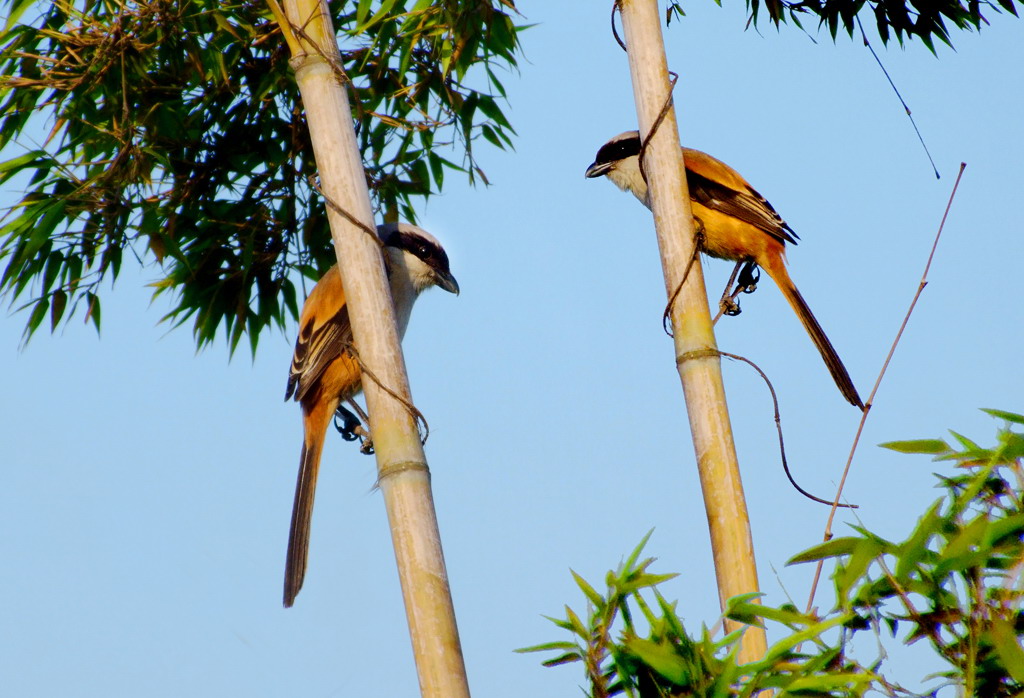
1008, 6
1010, 449
1002, 529
784, 646
58, 301
27, 268
491, 136
663, 659
563, 659
1008, 416
575, 624
18, 8
73, 274
856, 565
630, 561
926, 446
916, 547
786, 616
224, 25
253, 325
436, 168
383, 11
563, 624
446, 56
496, 83
9, 168
965, 562
645, 581
548, 646
490, 108
93, 310
47, 216
38, 313
362, 11
825, 684
823, 551
965, 443
589, 591
1004, 639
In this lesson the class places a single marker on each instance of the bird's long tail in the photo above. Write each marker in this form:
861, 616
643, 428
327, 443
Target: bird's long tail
777, 270
316, 424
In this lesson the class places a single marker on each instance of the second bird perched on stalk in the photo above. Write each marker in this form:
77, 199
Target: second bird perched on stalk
325, 371
736, 223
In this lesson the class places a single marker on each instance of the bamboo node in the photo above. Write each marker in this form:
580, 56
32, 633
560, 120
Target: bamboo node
394, 469
696, 354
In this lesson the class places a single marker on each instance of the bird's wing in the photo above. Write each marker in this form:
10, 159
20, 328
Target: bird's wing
717, 186
325, 333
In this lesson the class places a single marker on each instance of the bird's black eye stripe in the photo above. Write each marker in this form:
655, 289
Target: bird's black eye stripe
431, 254
618, 150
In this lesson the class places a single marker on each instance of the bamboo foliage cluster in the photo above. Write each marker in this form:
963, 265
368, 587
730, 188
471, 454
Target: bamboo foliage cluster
632, 641
177, 138
925, 21
956, 581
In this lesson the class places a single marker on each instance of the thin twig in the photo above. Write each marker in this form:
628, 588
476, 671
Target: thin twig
286, 27
673, 79
666, 316
348, 216
617, 7
413, 411
878, 382
899, 96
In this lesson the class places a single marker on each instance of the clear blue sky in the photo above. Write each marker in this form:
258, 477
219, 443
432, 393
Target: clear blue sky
146, 490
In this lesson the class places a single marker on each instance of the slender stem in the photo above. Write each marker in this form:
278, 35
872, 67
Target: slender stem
878, 381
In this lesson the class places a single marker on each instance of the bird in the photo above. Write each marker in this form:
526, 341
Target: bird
324, 371
736, 223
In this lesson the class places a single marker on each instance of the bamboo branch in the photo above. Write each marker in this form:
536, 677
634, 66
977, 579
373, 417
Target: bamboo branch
697, 355
403, 475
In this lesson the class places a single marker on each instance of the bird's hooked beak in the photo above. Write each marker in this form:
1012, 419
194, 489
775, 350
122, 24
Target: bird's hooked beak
597, 169
445, 280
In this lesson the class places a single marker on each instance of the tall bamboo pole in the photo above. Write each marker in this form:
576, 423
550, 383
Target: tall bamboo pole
698, 363
403, 475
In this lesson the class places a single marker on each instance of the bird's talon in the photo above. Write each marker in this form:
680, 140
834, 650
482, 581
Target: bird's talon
749, 278
729, 306
347, 424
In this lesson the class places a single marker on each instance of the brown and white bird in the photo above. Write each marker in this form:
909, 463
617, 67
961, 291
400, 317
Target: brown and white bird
324, 372
737, 224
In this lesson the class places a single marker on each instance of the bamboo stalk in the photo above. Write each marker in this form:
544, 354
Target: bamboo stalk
696, 350
403, 474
